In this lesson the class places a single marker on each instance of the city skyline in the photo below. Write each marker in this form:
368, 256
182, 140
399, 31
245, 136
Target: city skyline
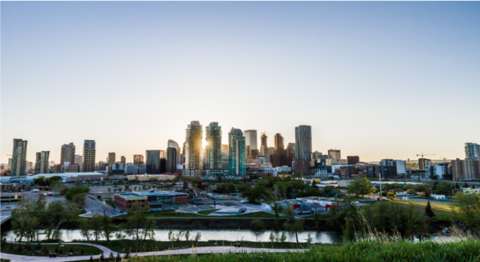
377, 80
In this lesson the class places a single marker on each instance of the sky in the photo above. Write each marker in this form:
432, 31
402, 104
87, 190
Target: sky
374, 79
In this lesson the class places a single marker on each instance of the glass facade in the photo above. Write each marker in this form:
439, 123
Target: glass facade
193, 146
153, 161
19, 157
236, 159
41, 162
472, 150
213, 150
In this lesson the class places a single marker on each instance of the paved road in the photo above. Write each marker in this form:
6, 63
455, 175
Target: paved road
97, 206
186, 251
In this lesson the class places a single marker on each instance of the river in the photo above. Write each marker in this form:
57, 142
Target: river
327, 237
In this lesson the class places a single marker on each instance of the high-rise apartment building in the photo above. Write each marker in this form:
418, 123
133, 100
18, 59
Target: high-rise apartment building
111, 159
138, 160
251, 142
303, 141
67, 154
278, 158
335, 154
264, 147
19, 156
193, 146
225, 165
173, 144
472, 150
153, 161
213, 150
123, 160
468, 169
89, 156
41, 162
236, 146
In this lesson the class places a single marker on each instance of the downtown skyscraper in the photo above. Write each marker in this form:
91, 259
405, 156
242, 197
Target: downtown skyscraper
193, 146
213, 150
173, 156
251, 143
153, 161
89, 156
19, 157
236, 148
303, 142
41, 162
67, 154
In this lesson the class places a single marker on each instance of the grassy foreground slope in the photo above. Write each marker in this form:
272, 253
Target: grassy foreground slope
374, 251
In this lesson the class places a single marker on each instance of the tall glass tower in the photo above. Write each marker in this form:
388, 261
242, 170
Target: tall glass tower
41, 163
213, 151
236, 148
153, 161
19, 157
193, 146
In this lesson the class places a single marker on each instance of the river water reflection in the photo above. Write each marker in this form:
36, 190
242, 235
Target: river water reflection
327, 237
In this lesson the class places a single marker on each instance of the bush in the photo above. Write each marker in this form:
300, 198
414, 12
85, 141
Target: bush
257, 225
391, 196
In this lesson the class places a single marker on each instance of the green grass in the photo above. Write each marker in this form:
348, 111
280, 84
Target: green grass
206, 212
442, 211
150, 245
363, 251
20, 249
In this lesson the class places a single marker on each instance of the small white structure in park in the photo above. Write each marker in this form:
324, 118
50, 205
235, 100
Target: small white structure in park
438, 197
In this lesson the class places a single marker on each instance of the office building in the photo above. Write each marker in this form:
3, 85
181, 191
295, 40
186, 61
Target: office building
19, 157
334, 153
303, 142
153, 161
29, 167
225, 164
131, 169
89, 156
138, 160
236, 145
251, 142
79, 161
317, 155
193, 146
123, 160
335, 162
264, 147
213, 150
67, 153
163, 165
352, 160
279, 156
41, 162
472, 150
171, 160
290, 154
111, 159
173, 144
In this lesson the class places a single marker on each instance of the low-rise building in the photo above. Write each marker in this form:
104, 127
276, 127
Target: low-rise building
156, 200
148, 177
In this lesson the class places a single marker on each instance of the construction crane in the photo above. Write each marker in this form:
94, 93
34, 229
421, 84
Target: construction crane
423, 159
444, 159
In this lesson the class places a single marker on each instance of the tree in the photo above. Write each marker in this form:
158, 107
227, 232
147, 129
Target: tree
276, 208
361, 186
185, 184
443, 188
256, 194
136, 219
391, 196
197, 238
85, 228
108, 228
283, 237
427, 192
293, 225
272, 238
410, 191
468, 207
96, 225
428, 211
317, 216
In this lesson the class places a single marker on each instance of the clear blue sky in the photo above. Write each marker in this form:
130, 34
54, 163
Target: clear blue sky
374, 79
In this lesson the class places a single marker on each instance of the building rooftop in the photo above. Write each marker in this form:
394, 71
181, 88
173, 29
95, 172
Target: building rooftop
159, 193
132, 196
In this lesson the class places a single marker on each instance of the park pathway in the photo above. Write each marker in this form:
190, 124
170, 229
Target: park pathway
106, 252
